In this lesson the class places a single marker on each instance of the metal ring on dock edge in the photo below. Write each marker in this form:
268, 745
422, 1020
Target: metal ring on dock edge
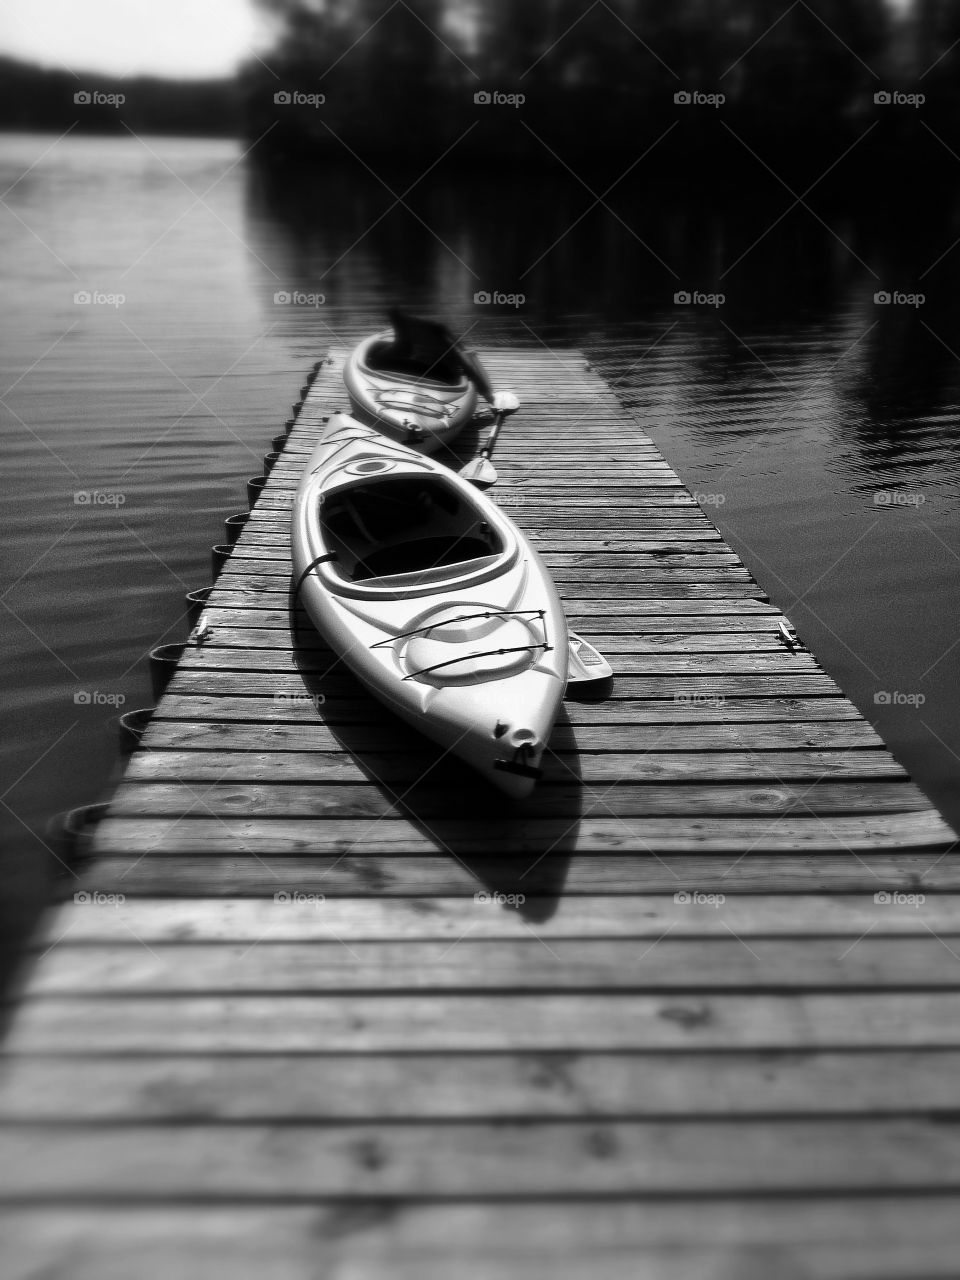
163, 663
196, 601
234, 525
69, 833
219, 555
131, 727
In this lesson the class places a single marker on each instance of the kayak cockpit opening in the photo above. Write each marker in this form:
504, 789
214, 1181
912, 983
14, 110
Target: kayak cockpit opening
405, 525
439, 366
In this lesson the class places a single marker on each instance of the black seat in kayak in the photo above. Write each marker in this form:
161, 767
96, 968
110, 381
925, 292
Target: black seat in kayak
403, 525
421, 553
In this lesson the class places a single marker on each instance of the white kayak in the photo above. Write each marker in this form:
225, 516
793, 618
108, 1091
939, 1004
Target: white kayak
418, 410
433, 598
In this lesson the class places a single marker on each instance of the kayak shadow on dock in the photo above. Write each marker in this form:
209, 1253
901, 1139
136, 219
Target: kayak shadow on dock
520, 849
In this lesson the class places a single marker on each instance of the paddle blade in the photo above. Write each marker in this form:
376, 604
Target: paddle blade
481, 472
585, 664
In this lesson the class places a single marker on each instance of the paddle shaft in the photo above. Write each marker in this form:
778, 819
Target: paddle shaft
498, 421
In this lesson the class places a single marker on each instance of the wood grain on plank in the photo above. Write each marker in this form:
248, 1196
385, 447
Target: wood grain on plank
171, 793
309, 1088
442, 875
678, 914
512, 966
751, 1236
653, 1157
197, 832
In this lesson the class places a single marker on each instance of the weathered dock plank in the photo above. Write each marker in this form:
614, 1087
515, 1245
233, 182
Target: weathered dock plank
195, 830
636, 916
518, 966
444, 874
294, 800
886, 1238
203, 1162
481, 1021
375, 1087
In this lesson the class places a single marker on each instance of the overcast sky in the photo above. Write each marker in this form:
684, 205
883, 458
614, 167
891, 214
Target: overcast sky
124, 37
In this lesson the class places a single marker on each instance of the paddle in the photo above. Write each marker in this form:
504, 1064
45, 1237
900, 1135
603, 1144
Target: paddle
481, 471
585, 664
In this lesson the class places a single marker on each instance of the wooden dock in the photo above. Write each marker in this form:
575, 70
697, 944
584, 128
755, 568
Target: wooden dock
693, 1011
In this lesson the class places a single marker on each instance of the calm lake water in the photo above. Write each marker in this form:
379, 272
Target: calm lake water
820, 428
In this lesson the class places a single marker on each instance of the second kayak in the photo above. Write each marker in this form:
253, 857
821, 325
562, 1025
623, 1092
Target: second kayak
414, 383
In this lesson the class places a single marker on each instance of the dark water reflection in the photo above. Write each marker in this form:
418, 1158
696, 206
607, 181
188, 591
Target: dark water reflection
821, 428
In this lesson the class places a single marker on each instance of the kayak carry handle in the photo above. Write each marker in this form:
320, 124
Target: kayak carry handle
519, 767
485, 653
464, 617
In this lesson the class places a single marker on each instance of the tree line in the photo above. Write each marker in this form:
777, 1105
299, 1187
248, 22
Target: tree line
573, 81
